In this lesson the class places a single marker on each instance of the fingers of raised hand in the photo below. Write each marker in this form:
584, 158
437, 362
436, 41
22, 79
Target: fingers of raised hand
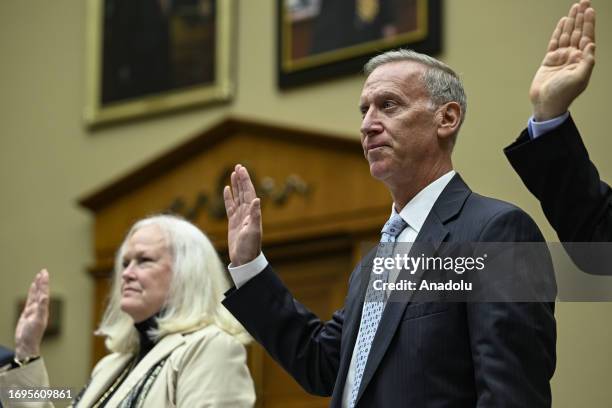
34, 291
255, 211
588, 29
240, 197
37, 304
238, 188
31, 295
235, 187
246, 185
577, 32
583, 5
42, 283
228, 199
553, 44
568, 26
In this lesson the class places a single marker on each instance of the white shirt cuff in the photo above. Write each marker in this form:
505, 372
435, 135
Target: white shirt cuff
243, 273
537, 129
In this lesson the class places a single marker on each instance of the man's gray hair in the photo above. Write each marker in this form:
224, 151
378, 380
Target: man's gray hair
442, 83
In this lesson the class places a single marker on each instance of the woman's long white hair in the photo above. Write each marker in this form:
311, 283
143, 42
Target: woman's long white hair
196, 290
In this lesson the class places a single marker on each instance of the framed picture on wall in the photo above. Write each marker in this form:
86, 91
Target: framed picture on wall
319, 39
145, 57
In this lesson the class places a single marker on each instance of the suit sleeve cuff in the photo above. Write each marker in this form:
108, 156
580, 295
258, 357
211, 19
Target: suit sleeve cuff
33, 374
243, 273
537, 129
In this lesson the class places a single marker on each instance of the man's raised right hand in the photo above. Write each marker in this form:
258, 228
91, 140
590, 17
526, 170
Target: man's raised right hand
243, 209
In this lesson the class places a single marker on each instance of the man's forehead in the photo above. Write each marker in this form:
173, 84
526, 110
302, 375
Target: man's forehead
396, 70
393, 75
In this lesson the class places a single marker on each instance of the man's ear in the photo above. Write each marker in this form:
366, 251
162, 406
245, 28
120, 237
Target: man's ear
448, 117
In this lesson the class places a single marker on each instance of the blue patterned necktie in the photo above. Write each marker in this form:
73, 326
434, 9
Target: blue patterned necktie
374, 304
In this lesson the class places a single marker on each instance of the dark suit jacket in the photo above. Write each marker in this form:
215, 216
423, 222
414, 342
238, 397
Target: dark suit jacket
424, 354
6, 356
556, 169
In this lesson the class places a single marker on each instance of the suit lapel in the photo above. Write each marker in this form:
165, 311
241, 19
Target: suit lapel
101, 381
352, 317
162, 349
432, 234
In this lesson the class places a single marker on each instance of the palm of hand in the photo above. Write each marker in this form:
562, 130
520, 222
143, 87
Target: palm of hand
244, 217
240, 229
559, 73
567, 65
33, 320
30, 327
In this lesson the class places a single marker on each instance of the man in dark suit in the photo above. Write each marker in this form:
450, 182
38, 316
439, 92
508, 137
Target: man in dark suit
403, 354
550, 156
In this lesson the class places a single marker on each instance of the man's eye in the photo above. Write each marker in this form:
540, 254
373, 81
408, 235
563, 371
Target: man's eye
125, 263
144, 259
388, 104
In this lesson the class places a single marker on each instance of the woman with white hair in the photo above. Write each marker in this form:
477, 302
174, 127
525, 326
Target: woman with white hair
172, 342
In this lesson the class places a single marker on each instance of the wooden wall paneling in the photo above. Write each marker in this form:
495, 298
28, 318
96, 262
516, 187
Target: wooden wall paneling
102, 276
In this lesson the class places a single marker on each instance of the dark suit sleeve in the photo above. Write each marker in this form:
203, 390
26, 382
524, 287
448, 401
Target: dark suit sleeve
513, 343
556, 169
299, 341
6, 356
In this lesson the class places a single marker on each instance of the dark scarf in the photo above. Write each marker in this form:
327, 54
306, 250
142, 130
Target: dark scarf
145, 341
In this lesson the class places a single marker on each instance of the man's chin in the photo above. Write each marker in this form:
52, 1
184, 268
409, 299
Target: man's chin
379, 171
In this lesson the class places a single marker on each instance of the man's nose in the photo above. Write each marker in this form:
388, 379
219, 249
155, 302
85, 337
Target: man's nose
370, 123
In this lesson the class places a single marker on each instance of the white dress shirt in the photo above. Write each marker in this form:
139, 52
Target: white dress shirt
414, 213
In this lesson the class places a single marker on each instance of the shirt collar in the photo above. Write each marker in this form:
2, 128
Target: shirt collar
416, 211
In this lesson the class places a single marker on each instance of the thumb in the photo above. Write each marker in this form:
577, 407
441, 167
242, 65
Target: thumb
585, 68
589, 53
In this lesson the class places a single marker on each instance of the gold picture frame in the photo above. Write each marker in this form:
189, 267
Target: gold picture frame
322, 39
145, 58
